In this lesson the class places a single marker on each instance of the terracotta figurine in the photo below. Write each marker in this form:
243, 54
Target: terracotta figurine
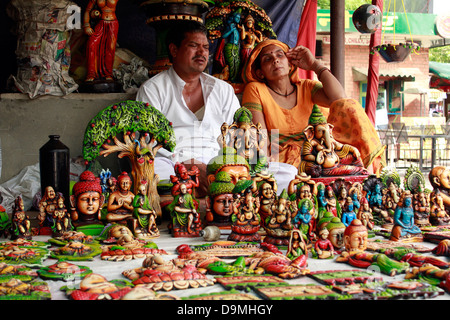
86, 200
101, 45
61, 218
438, 214
21, 226
323, 246
220, 201
145, 224
47, 205
404, 226
185, 220
120, 202
355, 237
322, 155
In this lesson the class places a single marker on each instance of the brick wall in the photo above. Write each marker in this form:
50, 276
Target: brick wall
358, 56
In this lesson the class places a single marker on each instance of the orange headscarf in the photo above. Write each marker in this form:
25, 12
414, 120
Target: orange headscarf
249, 70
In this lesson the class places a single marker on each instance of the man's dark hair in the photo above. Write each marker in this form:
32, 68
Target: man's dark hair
179, 29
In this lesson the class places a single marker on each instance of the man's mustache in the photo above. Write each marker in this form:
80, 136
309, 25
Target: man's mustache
200, 57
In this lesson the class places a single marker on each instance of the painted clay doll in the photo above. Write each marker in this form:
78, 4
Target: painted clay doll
336, 236
47, 205
21, 226
365, 214
438, 214
323, 246
220, 201
278, 226
120, 202
421, 205
86, 200
246, 220
184, 217
355, 237
61, 218
404, 226
189, 178
297, 245
348, 215
144, 214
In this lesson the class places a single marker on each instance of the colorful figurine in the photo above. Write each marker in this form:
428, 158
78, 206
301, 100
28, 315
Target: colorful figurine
144, 225
185, 220
5, 221
86, 200
267, 188
404, 226
61, 218
303, 219
322, 155
220, 201
421, 205
373, 187
323, 246
348, 214
188, 178
365, 214
439, 178
246, 220
120, 202
355, 237
278, 226
247, 138
229, 161
21, 226
101, 45
438, 214
297, 245
47, 206
336, 236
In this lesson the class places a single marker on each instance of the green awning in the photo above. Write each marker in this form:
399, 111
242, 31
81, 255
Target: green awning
407, 74
441, 70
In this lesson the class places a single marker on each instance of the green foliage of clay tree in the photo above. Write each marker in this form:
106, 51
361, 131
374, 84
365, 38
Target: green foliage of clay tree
145, 130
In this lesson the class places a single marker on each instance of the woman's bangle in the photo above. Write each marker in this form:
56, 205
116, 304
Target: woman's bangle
320, 71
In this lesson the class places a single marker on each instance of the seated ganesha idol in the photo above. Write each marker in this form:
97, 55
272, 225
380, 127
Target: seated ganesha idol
322, 155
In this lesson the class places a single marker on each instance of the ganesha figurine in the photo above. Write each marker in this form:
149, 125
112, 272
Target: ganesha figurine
245, 219
323, 156
279, 226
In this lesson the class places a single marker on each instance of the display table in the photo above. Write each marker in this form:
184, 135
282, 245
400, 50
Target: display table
112, 270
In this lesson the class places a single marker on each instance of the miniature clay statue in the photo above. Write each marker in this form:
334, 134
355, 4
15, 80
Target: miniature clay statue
145, 223
247, 138
355, 237
184, 217
220, 201
188, 178
323, 246
373, 187
229, 161
47, 205
120, 202
421, 205
439, 178
267, 191
303, 220
21, 226
5, 221
246, 219
331, 201
101, 46
336, 236
322, 155
365, 214
250, 37
404, 226
348, 215
438, 215
297, 245
86, 200
278, 226
61, 218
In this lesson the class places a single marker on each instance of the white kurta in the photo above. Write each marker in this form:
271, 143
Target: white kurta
194, 139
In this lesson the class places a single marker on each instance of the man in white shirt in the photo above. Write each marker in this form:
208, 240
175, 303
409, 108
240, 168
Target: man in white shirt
196, 103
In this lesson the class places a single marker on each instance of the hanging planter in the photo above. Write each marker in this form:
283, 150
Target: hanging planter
395, 52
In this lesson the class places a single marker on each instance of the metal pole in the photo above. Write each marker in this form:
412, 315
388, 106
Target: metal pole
337, 39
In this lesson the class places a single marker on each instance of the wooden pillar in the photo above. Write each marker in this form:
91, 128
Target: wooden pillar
337, 39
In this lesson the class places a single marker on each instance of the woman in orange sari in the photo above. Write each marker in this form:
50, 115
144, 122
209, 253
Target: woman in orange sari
280, 100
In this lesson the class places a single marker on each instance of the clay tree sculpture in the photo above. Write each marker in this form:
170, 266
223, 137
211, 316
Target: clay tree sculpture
144, 129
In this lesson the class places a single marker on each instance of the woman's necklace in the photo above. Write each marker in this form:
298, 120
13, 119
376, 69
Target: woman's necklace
282, 94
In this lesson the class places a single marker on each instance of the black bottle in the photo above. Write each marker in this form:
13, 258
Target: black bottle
54, 164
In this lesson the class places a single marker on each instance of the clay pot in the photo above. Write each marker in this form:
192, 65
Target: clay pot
395, 53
